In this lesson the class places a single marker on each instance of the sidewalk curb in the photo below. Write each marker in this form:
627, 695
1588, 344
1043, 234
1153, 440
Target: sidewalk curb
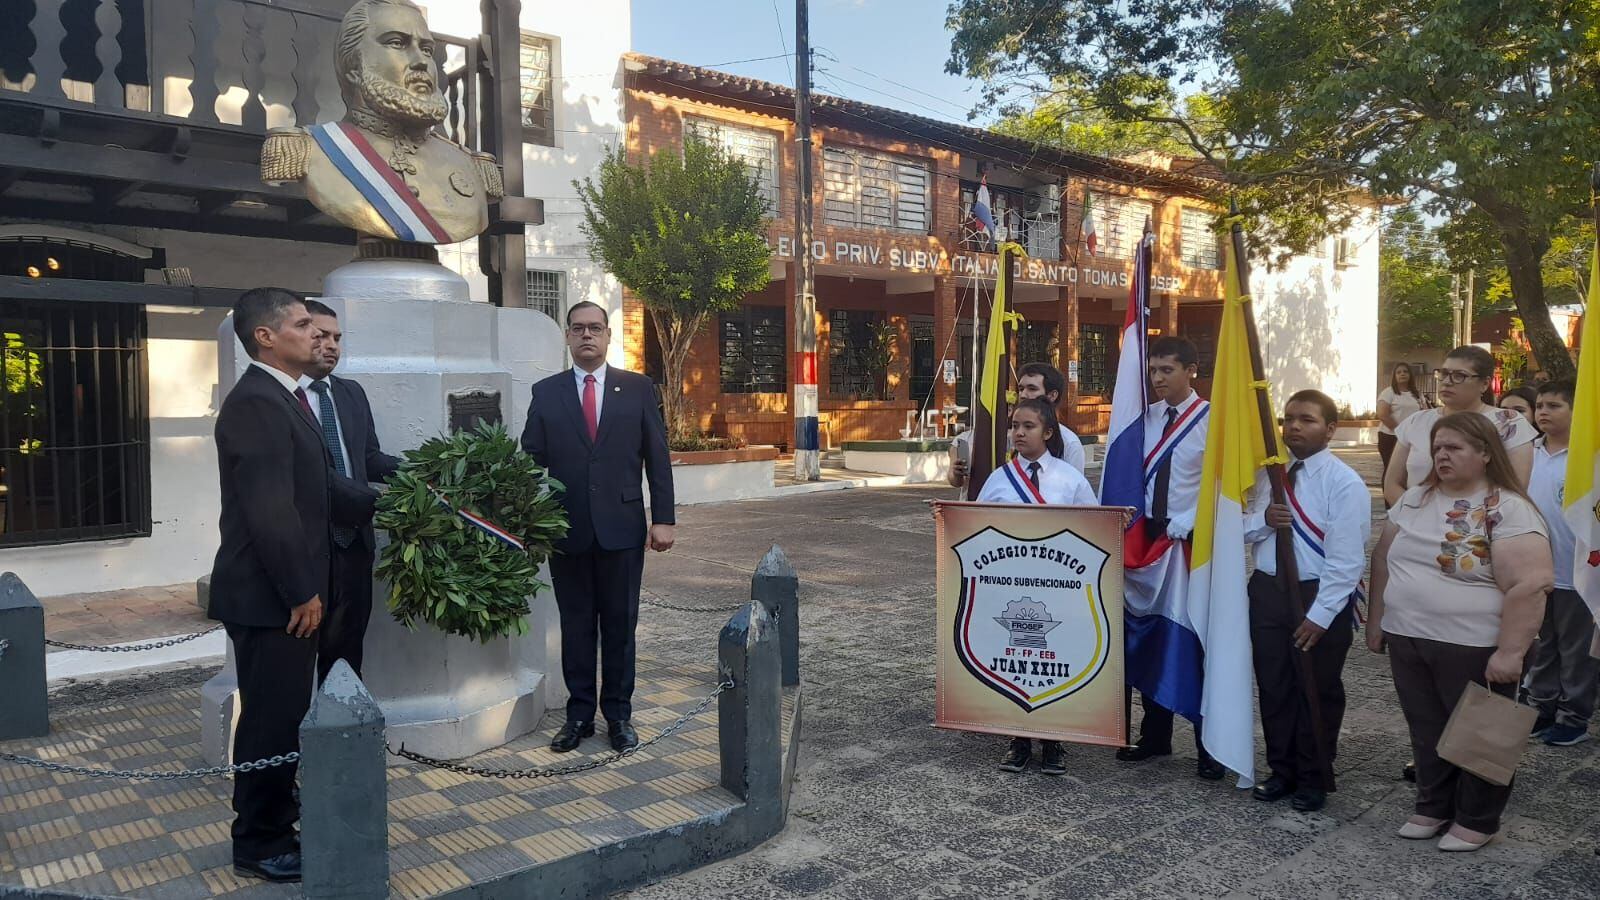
66, 666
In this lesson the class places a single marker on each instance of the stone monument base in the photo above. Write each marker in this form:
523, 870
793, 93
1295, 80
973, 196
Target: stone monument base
430, 360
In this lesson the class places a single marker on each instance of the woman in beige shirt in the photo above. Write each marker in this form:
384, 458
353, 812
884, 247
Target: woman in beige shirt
1459, 580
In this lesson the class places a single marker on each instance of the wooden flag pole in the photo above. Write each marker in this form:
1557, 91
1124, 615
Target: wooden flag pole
1288, 568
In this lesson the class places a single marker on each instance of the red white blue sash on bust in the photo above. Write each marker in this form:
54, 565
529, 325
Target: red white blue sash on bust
350, 151
1021, 483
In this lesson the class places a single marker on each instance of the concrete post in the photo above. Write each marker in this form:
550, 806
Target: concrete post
344, 797
23, 710
749, 716
778, 587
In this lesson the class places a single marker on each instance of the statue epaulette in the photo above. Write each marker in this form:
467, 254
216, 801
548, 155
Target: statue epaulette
285, 155
493, 182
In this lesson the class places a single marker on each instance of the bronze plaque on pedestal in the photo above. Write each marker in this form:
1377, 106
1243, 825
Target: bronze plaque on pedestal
473, 407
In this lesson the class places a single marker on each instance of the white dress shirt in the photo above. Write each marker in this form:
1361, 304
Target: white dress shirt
1546, 487
1183, 489
1059, 483
599, 388
278, 375
316, 413
1334, 499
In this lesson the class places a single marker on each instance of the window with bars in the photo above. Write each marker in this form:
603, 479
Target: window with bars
1201, 245
863, 189
1120, 221
925, 362
74, 425
1036, 342
754, 350
1097, 347
547, 293
850, 345
757, 149
538, 116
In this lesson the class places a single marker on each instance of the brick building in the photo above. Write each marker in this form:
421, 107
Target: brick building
900, 269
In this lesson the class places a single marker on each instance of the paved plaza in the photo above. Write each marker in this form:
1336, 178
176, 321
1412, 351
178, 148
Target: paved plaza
887, 806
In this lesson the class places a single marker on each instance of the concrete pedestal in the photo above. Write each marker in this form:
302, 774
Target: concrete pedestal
414, 341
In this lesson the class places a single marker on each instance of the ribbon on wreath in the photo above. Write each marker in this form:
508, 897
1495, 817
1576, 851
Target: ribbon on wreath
477, 521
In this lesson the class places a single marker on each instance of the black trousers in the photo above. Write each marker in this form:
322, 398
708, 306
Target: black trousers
275, 683
597, 594
344, 625
1155, 729
1285, 715
1429, 677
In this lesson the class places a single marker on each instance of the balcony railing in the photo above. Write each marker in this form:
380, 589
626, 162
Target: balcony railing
234, 65
1039, 235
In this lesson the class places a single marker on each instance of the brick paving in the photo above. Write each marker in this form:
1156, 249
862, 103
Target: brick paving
116, 617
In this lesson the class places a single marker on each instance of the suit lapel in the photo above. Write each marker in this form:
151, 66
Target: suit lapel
569, 399
610, 407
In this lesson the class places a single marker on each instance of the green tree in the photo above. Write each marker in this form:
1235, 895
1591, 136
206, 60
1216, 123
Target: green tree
1413, 285
1483, 107
1068, 116
687, 234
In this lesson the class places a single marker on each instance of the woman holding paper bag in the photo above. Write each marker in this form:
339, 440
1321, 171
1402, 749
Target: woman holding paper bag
1458, 586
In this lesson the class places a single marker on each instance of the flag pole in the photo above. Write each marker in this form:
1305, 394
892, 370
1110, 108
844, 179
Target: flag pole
1288, 568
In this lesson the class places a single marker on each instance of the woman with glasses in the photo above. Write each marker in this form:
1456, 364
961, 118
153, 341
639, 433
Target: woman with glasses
1463, 382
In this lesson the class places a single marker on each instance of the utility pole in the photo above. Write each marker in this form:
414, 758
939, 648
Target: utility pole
1466, 307
807, 465
1455, 310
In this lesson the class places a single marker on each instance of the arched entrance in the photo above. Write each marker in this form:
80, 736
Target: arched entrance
74, 424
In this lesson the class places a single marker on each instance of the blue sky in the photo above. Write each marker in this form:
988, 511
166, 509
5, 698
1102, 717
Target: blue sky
901, 43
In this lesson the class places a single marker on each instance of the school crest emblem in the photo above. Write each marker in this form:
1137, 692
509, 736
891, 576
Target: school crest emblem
1032, 623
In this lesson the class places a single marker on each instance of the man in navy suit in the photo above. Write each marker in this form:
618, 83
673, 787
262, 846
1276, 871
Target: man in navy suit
342, 412
599, 432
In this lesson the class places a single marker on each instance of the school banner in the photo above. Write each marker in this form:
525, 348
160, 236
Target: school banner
1030, 621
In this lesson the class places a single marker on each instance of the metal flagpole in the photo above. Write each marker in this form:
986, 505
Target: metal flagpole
807, 465
1288, 568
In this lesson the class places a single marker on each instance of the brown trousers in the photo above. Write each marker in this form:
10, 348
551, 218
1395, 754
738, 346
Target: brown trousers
1430, 676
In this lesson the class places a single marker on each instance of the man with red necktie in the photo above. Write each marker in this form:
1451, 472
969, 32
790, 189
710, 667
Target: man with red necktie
599, 432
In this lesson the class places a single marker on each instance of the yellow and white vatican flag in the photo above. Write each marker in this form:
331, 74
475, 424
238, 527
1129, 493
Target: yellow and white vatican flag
1581, 498
1218, 605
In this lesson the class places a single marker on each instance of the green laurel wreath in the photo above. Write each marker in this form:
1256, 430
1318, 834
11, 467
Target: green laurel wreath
443, 570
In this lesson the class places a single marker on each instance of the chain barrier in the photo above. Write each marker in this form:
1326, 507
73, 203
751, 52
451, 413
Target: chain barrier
151, 774
132, 648
554, 772
645, 595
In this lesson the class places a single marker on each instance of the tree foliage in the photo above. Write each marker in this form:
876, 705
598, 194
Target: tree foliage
687, 234
1413, 286
1483, 107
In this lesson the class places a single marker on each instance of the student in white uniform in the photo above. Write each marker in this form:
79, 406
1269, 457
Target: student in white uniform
1036, 475
1329, 512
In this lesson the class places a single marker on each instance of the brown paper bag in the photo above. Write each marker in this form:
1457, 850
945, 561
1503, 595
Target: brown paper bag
1487, 734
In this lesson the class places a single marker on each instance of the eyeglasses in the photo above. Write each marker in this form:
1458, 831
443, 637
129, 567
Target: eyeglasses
1454, 376
582, 329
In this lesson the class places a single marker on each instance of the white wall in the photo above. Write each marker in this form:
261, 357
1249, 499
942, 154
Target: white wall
1319, 321
588, 40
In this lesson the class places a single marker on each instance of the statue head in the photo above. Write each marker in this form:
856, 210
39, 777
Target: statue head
386, 65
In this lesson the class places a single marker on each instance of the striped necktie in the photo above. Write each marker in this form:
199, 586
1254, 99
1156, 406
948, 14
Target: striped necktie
342, 536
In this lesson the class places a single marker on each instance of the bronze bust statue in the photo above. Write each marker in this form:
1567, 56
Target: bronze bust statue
382, 169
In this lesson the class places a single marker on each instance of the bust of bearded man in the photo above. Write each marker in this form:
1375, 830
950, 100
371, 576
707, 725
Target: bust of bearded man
382, 169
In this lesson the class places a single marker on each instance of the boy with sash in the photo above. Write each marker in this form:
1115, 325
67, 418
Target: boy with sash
1329, 512
1158, 632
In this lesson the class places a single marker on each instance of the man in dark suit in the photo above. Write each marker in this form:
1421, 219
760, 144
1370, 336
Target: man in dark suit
272, 567
345, 418
598, 429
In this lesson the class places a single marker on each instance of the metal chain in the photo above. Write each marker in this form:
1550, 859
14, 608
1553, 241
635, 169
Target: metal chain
134, 648
4, 644
555, 772
150, 774
661, 602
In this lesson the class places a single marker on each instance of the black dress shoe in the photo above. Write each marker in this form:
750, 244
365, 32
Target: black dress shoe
283, 868
571, 735
1141, 752
1053, 761
1409, 773
1272, 790
1309, 799
1209, 769
623, 737
1016, 758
